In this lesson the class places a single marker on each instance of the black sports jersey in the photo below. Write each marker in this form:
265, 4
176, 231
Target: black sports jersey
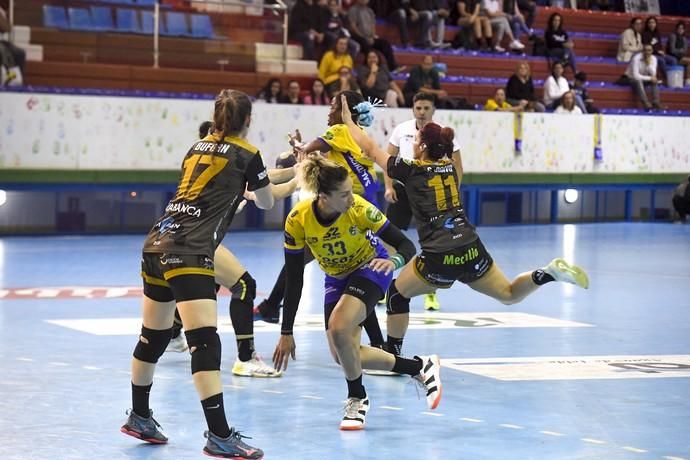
214, 176
432, 190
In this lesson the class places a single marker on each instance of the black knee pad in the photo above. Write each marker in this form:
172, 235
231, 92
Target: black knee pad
204, 346
152, 344
244, 289
396, 304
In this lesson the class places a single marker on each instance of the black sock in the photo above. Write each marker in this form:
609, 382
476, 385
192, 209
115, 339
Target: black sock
272, 303
540, 277
214, 411
140, 400
373, 329
394, 345
245, 348
407, 366
355, 389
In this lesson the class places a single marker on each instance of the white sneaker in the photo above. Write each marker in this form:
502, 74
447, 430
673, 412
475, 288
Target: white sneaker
516, 45
255, 367
430, 380
178, 344
355, 412
567, 273
499, 49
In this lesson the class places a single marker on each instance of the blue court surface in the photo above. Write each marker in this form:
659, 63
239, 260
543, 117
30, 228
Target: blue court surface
602, 373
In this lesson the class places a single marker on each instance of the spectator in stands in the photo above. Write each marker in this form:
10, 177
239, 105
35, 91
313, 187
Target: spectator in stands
516, 19
567, 104
677, 46
580, 90
555, 86
471, 16
272, 92
306, 26
292, 96
642, 72
440, 12
363, 29
334, 59
499, 103
345, 82
376, 82
559, 47
529, 9
651, 36
520, 89
681, 200
336, 24
10, 55
630, 41
425, 78
499, 21
317, 95
418, 12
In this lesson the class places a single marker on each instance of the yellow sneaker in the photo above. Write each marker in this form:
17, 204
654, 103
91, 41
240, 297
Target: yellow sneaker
567, 273
431, 302
255, 367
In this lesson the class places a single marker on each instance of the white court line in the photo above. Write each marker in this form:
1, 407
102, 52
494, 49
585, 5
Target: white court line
634, 449
391, 407
671, 457
275, 392
552, 433
91, 368
473, 420
310, 397
229, 385
593, 441
433, 414
511, 426
28, 360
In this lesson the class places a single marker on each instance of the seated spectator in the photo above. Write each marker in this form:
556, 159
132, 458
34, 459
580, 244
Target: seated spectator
336, 25
425, 78
642, 72
317, 95
559, 47
580, 90
306, 26
440, 13
11, 56
630, 41
499, 103
363, 29
651, 36
555, 86
677, 46
272, 92
345, 82
418, 12
499, 20
520, 89
471, 16
293, 95
567, 104
334, 59
529, 9
516, 19
376, 82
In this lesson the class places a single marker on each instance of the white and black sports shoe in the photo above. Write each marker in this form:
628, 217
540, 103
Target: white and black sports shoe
429, 378
355, 412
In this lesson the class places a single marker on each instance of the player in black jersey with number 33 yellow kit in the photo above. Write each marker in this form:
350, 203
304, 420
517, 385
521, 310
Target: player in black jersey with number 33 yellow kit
451, 248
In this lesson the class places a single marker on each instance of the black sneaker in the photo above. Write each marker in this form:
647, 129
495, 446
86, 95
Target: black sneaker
263, 312
146, 429
231, 447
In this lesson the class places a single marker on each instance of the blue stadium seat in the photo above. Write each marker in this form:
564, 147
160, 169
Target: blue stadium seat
102, 18
79, 19
147, 22
201, 26
128, 21
176, 24
55, 16
145, 2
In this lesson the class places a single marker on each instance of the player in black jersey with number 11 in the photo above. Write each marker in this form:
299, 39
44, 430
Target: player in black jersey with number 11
451, 248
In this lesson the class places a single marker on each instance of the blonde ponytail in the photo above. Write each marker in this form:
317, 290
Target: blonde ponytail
320, 175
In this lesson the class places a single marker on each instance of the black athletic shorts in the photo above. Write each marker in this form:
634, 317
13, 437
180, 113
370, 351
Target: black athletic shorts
466, 264
368, 289
178, 277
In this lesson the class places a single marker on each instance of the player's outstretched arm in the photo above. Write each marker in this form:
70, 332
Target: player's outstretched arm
368, 145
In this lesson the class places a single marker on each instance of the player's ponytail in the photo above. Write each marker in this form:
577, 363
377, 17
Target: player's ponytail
438, 140
320, 175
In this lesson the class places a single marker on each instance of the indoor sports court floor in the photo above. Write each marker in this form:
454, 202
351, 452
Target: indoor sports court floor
567, 374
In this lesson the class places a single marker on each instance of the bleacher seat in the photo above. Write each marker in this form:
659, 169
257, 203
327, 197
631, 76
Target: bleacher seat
79, 19
55, 16
102, 18
128, 20
176, 24
201, 26
146, 22
145, 2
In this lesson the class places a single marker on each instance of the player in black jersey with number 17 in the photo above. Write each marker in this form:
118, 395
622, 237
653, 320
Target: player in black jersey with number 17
451, 248
178, 268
